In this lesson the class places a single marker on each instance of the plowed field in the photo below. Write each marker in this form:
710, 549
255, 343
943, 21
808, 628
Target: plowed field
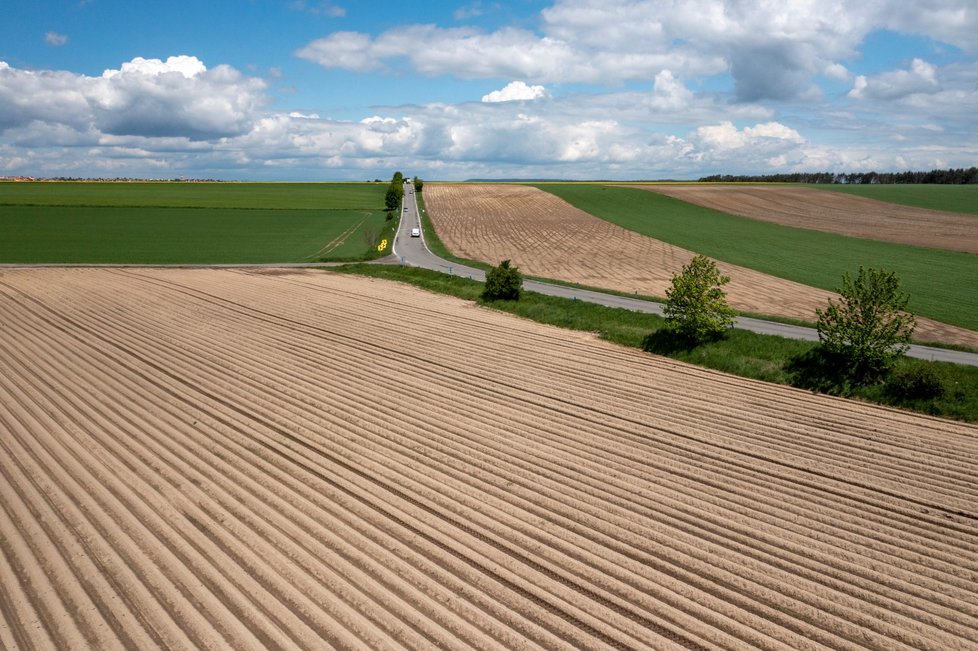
545, 236
224, 459
834, 212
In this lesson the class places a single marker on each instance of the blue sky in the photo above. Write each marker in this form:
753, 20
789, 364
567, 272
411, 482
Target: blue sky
621, 89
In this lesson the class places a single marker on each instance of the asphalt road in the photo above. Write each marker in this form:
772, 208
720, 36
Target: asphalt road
414, 251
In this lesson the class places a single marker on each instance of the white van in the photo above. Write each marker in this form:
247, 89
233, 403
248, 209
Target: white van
415, 232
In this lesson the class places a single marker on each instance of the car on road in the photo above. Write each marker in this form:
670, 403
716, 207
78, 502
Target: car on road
415, 232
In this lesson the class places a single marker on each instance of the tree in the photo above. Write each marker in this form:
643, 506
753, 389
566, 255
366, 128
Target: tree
418, 184
395, 192
503, 282
391, 199
696, 307
869, 328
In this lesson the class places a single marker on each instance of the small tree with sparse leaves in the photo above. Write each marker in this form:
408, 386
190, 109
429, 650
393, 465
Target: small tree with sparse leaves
869, 328
503, 282
696, 307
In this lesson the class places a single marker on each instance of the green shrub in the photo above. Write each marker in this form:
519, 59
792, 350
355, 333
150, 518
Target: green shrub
503, 282
916, 382
869, 327
696, 307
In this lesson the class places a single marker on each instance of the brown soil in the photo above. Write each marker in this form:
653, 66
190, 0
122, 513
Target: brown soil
834, 212
546, 236
223, 459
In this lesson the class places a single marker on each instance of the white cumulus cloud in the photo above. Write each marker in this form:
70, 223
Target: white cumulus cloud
187, 66
920, 78
344, 50
669, 93
516, 90
725, 137
178, 97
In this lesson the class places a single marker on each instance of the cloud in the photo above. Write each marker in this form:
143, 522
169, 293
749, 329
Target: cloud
516, 90
669, 93
187, 66
572, 137
836, 71
920, 78
178, 97
773, 51
54, 39
687, 88
474, 10
327, 9
725, 138
461, 51
343, 50
470, 53
575, 137
949, 21
775, 70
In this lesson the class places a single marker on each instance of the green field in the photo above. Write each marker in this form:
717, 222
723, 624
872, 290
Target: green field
955, 198
193, 223
325, 196
941, 283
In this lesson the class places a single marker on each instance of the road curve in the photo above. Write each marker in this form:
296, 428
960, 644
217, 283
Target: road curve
414, 251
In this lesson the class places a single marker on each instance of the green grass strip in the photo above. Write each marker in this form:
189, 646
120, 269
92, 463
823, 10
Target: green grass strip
953, 198
743, 353
941, 284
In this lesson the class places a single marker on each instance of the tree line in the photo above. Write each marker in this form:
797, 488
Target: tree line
952, 176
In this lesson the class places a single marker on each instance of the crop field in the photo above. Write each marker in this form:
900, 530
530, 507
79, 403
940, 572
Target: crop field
940, 283
166, 223
809, 207
959, 198
546, 236
232, 459
296, 196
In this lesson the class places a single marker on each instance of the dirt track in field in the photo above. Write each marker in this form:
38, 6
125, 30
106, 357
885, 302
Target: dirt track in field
225, 459
834, 212
546, 236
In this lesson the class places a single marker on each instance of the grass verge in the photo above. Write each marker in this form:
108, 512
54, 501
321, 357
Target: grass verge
379, 238
746, 354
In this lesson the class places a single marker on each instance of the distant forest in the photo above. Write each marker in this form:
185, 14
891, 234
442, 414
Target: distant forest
949, 177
